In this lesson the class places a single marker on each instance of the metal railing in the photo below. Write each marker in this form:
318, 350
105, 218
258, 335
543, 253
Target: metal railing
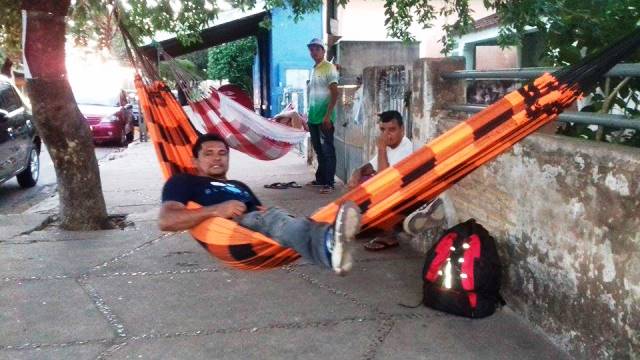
618, 121
622, 70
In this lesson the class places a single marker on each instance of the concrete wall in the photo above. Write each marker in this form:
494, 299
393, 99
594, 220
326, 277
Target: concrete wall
565, 215
289, 41
355, 56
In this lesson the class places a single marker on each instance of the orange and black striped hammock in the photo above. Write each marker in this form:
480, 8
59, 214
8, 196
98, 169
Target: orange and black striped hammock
395, 192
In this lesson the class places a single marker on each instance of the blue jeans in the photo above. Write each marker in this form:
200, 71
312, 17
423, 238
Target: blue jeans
304, 236
322, 142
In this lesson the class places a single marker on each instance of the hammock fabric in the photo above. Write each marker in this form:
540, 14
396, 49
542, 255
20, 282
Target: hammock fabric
397, 191
243, 129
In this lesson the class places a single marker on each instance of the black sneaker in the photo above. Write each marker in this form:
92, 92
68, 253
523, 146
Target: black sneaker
345, 228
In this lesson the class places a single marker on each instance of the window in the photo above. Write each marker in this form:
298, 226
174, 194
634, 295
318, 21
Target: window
13, 100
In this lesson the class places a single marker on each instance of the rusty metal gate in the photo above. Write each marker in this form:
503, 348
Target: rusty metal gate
383, 88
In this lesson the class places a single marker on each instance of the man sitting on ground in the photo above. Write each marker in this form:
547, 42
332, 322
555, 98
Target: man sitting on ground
326, 245
393, 146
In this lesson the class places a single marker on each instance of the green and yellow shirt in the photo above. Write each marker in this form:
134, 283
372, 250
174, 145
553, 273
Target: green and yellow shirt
322, 75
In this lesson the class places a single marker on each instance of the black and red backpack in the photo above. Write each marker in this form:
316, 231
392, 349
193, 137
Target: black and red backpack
462, 272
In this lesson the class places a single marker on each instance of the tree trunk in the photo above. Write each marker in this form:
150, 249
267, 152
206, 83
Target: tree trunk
60, 124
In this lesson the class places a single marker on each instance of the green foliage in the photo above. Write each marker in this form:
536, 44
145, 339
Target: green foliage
200, 59
570, 28
10, 29
401, 14
184, 64
233, 62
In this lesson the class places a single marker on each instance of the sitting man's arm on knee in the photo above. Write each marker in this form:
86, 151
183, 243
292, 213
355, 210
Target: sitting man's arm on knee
359, 174
175, 216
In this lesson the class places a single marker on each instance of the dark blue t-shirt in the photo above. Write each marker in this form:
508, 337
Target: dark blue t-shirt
207, 191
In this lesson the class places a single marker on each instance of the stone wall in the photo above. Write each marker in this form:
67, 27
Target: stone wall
565, 214
355, 56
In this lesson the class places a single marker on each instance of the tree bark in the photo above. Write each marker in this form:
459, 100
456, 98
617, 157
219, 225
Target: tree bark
60, 124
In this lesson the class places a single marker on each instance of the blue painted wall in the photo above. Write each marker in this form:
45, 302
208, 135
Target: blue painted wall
289, 50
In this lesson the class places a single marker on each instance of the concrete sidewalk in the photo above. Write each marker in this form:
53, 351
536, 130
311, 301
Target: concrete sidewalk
139, 293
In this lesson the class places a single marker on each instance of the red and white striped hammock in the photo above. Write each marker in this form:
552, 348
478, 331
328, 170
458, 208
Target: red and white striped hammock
214, 112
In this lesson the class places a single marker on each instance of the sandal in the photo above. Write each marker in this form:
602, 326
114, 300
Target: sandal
379, 244
277, 185
327, 189
293, 184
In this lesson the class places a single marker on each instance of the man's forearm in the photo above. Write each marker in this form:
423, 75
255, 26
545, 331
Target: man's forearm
184, 219
333, 100
383, 160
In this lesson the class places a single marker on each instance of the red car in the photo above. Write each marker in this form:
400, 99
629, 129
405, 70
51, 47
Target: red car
109, 117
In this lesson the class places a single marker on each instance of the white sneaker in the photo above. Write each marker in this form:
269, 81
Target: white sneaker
345, 228
427, 216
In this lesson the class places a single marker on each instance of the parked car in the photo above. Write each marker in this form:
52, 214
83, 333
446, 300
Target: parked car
109, 116
19, 142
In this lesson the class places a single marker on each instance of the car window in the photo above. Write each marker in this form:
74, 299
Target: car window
9, 100
4, 88
13, 99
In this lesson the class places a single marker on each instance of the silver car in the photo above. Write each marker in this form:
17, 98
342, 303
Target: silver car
19, 141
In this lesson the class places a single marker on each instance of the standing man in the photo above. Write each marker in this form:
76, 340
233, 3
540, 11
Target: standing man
323, 95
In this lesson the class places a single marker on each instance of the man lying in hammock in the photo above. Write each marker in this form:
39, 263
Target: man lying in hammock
326, 245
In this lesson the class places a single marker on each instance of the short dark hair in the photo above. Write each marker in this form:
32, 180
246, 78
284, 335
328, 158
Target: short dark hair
203, 139
391, 115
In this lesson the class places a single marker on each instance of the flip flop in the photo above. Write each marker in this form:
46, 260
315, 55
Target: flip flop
293, 184
378, 244
277, 185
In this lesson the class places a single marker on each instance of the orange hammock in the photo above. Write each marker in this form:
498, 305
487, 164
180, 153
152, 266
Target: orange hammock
395, 192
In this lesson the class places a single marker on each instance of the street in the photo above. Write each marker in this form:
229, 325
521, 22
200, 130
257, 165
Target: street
15, 200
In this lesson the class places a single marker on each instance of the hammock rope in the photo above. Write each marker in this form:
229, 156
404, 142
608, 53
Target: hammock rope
398, 190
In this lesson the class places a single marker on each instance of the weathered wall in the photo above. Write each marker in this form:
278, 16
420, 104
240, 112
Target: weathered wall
355, 56
383, 88
565, 215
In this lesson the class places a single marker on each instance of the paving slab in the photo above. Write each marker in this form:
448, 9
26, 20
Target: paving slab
68, 255
130, 198
176, 252
217, 300
500, 336
44, 312
75, 352
379, 284
323, 341
13, 225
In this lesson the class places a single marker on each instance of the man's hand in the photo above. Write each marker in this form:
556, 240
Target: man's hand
326, 123
381, 143
230, 209
355, 179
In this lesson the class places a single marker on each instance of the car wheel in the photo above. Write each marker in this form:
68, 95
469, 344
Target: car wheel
130, 136
29, 176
